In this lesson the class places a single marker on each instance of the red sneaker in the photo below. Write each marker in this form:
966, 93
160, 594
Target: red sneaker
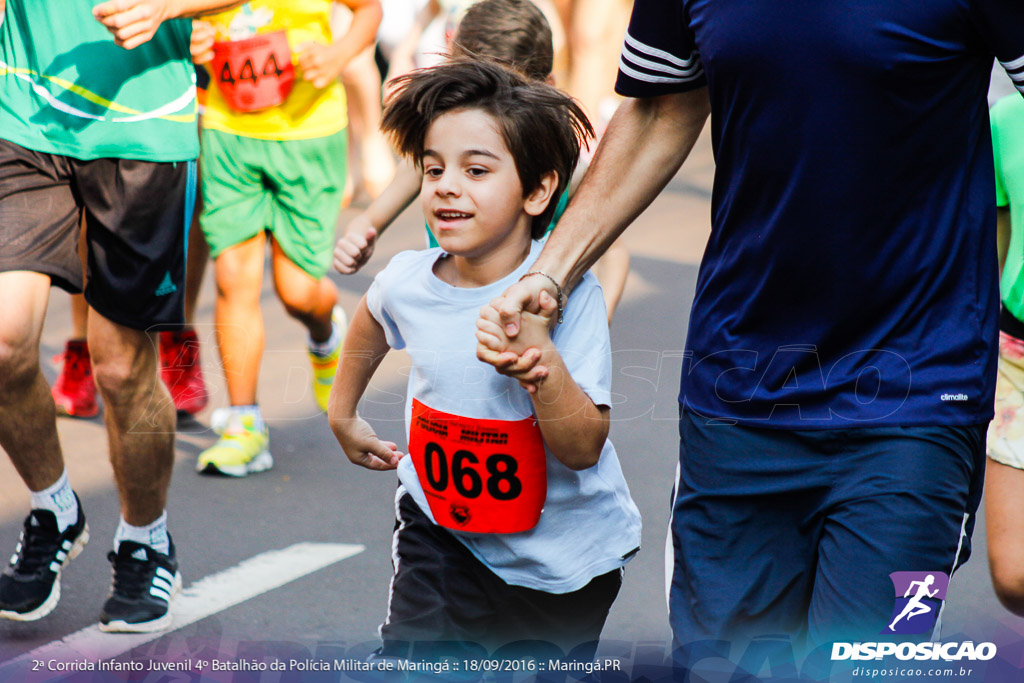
74, 392
181, 370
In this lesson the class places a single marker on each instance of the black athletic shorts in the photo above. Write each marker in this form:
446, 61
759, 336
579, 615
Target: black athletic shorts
137, 215
442, 596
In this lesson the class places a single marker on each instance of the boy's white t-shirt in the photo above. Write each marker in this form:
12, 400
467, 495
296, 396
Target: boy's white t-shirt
589, 525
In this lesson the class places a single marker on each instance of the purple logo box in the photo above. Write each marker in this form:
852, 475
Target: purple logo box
918, 597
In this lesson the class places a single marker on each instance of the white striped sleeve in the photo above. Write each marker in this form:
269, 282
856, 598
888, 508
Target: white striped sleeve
1015, 70
1001, 25
659, 55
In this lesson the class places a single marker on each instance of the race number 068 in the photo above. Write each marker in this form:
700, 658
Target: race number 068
463, 474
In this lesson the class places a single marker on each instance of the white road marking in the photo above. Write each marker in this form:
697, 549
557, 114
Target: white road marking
205, 597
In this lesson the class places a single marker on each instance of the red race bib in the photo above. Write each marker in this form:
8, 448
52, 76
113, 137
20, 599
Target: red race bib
256, 73
484, 476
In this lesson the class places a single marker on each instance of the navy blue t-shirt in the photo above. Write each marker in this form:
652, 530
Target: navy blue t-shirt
851, 276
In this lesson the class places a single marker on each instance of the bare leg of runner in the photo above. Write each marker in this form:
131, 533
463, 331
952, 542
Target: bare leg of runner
1004, 526
370, 162
140, 416
307, 300
238, 317
595, 38
28, 429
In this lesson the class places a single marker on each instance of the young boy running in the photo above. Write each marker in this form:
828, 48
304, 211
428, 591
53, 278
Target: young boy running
514, 519
273, 156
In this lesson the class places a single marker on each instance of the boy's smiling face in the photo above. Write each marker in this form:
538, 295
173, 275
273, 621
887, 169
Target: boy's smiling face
471, 193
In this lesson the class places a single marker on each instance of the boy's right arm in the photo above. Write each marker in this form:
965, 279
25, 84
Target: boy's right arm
365, 347
356, 246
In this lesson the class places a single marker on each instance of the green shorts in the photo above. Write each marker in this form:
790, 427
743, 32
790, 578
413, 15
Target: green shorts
291, 188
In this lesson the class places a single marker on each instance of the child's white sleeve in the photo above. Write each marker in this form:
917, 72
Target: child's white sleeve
583, 341
380, 298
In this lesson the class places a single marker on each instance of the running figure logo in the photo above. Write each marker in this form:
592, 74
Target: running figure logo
919, 596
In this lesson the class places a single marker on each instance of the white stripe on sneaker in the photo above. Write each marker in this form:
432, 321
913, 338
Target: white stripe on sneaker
158, 593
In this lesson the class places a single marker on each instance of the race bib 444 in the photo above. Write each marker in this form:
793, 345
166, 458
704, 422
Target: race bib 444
483, 476
255, 73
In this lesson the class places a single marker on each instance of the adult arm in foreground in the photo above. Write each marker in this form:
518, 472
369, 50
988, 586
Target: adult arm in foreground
646, 142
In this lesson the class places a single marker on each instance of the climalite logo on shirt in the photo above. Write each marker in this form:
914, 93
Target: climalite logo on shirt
955, 398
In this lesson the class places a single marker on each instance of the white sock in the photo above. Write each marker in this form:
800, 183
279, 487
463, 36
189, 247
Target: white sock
254, 410
60, 500
153, 534
324, 348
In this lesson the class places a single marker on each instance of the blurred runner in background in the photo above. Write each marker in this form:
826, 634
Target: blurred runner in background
274, 162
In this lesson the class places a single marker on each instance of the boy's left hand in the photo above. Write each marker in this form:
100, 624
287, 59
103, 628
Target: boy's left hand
319, 63
362, 445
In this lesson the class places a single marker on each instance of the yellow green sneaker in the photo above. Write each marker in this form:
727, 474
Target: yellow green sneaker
325, 366
241, 450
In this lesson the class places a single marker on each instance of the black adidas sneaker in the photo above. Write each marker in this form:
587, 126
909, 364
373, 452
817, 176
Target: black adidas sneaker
144, 583
30, 586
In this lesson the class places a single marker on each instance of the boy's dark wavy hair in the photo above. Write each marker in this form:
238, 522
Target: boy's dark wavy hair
513, 32
541, 126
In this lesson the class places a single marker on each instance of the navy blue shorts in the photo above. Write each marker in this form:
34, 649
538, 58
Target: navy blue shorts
796, 533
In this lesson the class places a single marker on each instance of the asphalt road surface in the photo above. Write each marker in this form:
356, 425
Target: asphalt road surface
326, 597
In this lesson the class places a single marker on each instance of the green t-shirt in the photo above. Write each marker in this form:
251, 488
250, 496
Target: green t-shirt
1007, 117
66, 88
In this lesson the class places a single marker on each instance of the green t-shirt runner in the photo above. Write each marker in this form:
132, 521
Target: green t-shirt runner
1007, 118
71, 91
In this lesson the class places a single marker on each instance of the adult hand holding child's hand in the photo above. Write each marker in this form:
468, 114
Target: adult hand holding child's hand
514, 343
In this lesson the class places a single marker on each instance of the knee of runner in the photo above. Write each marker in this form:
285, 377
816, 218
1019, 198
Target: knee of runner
116, 376
298, 305
19, 364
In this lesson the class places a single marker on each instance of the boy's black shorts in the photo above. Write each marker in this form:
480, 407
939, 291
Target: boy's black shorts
137, 215
441, 593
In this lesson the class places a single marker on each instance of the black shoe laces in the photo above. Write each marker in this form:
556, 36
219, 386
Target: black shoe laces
131, 576
38, 549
